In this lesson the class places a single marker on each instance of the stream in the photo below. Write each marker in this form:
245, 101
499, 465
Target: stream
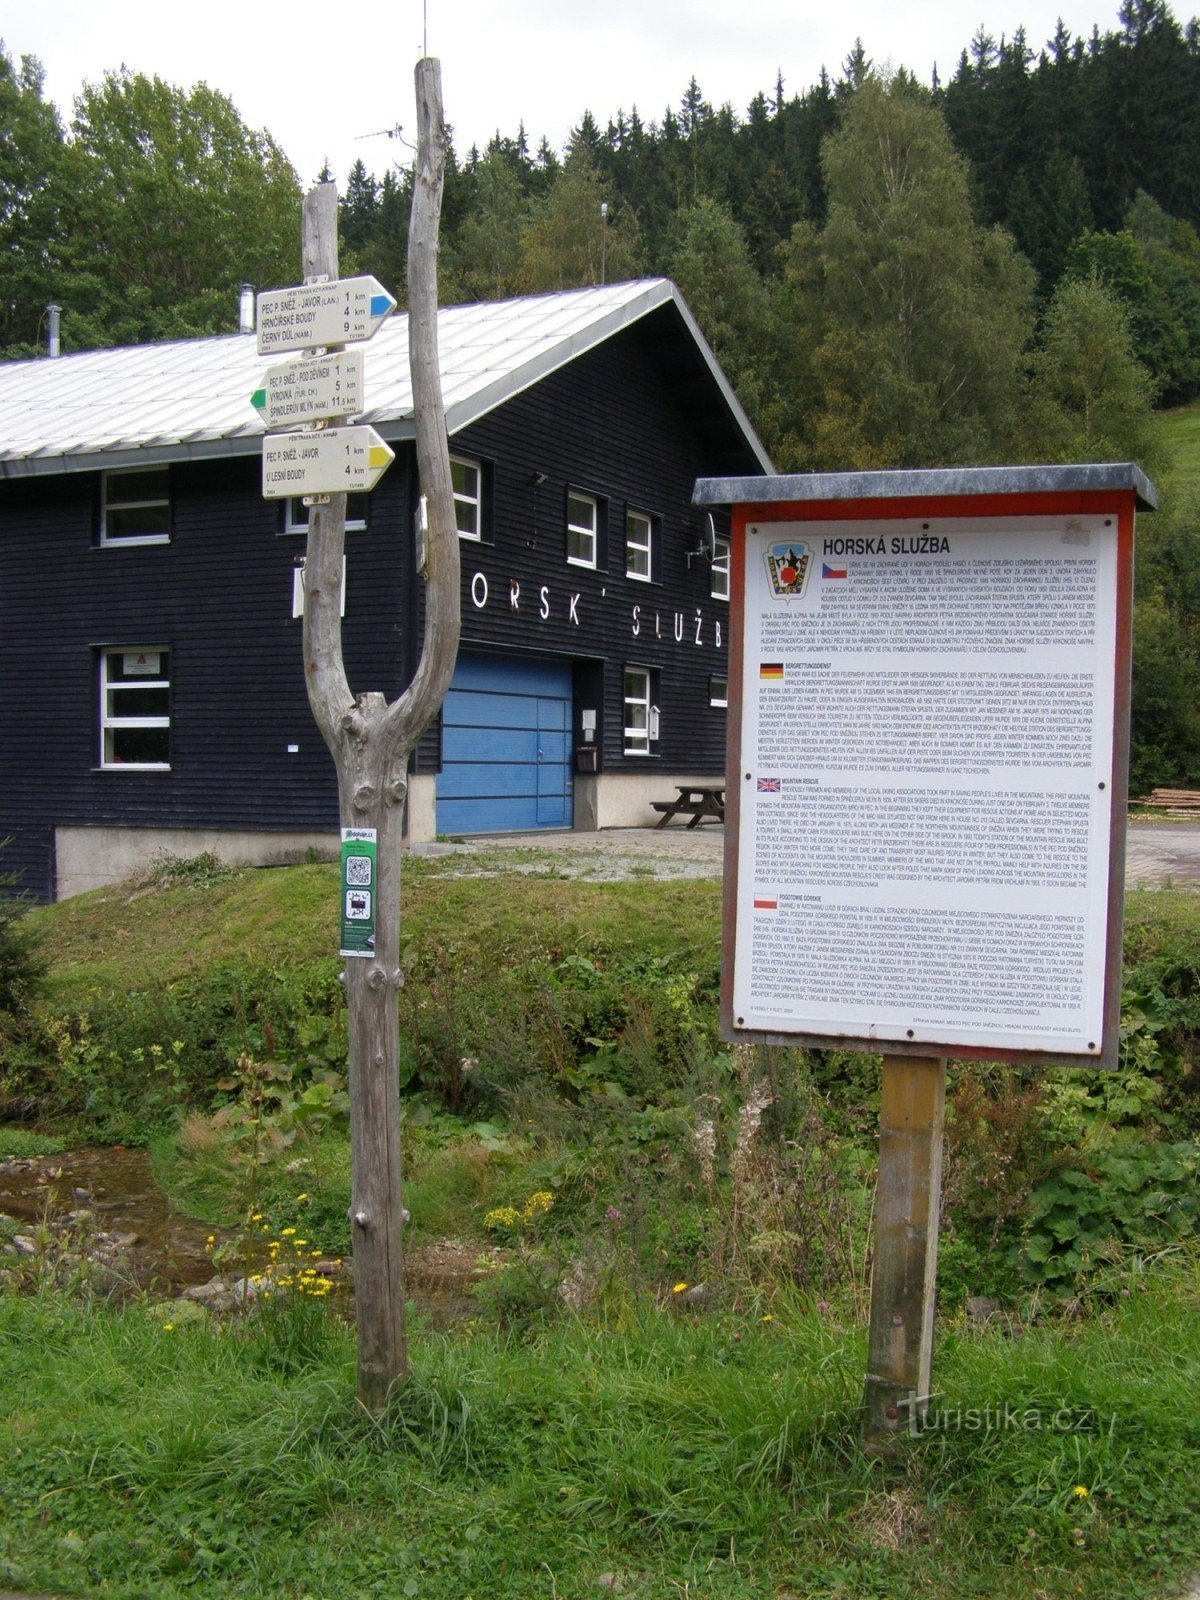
112, 1194
111, 1191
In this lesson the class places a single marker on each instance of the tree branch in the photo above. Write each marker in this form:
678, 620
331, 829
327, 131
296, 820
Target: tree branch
407, 718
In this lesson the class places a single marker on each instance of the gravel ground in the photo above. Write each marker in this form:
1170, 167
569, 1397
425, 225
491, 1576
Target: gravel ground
678, 852
1156, 853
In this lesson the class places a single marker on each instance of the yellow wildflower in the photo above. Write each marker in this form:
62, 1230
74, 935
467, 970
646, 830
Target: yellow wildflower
679, 1288
1082, 1491
168, 1327
502, 1217
287, 1232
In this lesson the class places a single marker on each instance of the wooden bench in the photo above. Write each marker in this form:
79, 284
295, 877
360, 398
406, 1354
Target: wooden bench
698, 804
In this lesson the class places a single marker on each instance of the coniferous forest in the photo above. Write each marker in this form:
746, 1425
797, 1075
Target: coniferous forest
1002, 266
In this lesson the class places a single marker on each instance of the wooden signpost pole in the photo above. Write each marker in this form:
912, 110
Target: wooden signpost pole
904, 1268
370, 741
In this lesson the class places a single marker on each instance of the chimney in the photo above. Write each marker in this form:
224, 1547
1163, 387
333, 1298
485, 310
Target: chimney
246, 309
53, 343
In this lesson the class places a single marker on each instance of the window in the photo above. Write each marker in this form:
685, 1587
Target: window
467, 479
720, 569
296, 517
639, 537
135, 708
718, 691
135, 506
582, 523
641, 717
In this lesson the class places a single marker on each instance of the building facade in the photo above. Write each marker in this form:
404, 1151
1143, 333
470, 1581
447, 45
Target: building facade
152, 693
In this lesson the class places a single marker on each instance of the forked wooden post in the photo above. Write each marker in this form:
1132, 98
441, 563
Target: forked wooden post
904, 1271
370, 741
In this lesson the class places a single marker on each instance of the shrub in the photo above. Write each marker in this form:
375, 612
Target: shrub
21, 966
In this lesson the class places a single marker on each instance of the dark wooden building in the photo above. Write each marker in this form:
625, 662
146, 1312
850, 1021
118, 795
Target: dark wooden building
151, 687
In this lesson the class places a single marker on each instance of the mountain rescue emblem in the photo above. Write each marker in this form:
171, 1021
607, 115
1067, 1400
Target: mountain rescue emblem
787, 568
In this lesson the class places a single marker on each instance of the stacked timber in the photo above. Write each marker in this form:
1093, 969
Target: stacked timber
1177, 802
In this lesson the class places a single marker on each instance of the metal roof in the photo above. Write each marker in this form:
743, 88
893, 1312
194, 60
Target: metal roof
925, 483
191, 398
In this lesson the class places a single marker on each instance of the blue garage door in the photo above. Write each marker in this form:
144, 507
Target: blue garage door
506, 746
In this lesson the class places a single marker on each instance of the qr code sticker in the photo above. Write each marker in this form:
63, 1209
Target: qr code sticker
358, 871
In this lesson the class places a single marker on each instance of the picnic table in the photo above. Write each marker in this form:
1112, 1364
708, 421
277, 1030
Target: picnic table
697, 803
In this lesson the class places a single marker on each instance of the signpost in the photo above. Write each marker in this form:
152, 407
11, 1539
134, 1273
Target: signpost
308, 391
928, 750
336, 461
370, 739
341, 311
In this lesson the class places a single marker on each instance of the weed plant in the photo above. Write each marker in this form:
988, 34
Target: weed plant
564, 1039
22, 1143
22, 975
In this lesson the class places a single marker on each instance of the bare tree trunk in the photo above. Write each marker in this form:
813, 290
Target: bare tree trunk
371, 742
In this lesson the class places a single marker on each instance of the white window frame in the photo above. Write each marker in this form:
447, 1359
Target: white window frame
719, 587
463, 500
586, 534
718, 696
111, 480
638, 741
111, 721
294, 522
644, 547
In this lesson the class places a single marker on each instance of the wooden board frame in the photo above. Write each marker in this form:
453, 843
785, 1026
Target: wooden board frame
1118, 504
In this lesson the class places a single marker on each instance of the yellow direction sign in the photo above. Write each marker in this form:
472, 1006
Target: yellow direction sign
336, 461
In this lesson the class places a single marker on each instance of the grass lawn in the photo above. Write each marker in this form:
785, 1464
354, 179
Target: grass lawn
1181, 434
135, 938
649, 1454
560, 1038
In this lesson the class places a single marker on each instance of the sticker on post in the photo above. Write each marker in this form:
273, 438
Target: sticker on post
359, 866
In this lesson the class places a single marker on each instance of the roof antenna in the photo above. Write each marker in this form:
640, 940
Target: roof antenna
424, 27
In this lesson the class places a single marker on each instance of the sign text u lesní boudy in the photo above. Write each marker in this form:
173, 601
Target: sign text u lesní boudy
335, 461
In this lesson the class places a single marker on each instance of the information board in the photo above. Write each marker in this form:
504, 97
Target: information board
925, 781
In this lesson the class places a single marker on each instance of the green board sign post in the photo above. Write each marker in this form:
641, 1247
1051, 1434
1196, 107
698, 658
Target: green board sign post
358, 892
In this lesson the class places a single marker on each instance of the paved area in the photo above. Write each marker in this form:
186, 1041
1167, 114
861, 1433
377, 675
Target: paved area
1163, 853
1157, 853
